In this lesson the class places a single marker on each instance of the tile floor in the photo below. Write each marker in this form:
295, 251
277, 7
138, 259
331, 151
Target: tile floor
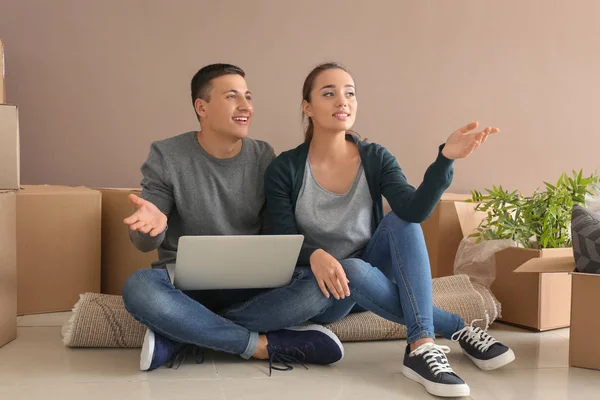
38, 366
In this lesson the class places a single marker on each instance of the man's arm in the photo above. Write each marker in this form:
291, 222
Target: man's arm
158, 191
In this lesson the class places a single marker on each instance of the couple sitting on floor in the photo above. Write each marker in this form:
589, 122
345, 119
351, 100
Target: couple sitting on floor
217, 181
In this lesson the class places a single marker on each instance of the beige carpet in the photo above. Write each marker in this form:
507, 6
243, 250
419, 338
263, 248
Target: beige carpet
100, 320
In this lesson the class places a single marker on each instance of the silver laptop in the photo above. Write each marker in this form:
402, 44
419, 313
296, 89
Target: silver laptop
235, 262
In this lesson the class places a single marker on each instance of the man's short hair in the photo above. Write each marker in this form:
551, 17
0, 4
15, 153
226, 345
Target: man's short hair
201, 81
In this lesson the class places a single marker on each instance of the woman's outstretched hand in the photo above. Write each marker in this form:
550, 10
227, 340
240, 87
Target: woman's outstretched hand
465, 140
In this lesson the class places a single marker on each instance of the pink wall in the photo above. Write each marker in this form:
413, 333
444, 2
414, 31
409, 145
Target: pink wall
97, 81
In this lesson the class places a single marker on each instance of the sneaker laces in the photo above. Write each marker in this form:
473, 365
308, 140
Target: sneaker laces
435, 357
180, 355
475, 336
286, 360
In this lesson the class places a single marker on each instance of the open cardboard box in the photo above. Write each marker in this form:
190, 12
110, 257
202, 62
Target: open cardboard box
542, 300
539, 301
584, 350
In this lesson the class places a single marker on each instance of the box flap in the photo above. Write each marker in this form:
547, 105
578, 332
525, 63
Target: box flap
469, 218
112, 189
53, 189
560, 252
548, 264
455, 197
586, 274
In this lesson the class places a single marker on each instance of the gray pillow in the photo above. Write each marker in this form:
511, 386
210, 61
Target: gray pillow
585, 230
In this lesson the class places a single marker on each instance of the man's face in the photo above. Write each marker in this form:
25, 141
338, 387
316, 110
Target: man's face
229, 110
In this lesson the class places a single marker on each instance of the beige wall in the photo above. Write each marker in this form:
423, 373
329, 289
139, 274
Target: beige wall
97, 81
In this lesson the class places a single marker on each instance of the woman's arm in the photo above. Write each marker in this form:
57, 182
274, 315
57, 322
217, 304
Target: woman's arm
407, 202
416, 205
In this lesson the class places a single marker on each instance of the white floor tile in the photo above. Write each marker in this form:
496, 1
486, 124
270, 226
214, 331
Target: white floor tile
140, 390
563, 332
381, 387
50, 319
542, 384
38, 356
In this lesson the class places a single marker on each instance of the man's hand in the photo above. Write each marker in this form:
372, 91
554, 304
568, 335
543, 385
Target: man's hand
147, 218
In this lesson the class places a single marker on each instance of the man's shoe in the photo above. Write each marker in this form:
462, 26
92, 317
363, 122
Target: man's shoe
312, 344
158, 351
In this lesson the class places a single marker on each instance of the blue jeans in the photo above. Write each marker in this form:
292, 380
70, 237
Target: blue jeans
393, 280
222, 320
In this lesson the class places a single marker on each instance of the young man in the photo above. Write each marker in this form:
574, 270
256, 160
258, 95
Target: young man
210, 182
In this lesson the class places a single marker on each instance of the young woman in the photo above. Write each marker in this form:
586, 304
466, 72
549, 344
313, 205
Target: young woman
330, 190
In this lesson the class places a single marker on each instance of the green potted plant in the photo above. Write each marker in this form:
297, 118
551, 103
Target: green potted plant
540, 225
539, 221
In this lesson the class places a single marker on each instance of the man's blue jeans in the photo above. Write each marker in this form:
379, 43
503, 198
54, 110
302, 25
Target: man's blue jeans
223, 320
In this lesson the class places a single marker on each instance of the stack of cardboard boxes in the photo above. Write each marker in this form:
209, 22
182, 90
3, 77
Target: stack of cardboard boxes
54, 239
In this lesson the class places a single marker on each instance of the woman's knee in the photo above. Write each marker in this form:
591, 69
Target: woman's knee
401, 231
393, 222
355, 268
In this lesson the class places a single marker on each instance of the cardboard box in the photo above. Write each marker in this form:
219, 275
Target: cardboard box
443, 234
8, 267
58, 247
2, 75
537, 301
584, 350
9, 147
120, 258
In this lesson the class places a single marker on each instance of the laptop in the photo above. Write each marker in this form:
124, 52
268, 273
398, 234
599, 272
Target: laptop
235, 262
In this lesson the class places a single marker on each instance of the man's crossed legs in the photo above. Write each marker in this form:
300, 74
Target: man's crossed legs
231, 321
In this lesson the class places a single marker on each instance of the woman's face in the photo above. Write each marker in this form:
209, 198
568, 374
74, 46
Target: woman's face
333, 102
